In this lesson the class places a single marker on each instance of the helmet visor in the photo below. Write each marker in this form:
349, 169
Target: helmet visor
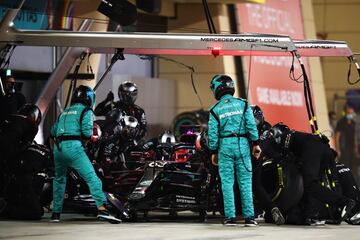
128, 97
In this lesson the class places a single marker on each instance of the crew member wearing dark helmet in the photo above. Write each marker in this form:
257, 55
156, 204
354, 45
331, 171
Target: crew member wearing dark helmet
312, 153
260, 193
21, 199
350, 189
12, 101
127, 93
261, 124
229, 122
20, 130
70, 131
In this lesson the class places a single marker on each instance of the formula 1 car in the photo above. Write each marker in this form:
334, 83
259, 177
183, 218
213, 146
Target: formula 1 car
176, 177
169, 176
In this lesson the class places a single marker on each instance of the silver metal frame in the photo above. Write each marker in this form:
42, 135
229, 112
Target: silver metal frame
146, 43
168, 43
321, 48
153, 43
158, 44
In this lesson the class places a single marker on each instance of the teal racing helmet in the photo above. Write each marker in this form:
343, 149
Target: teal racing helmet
221, 85
85, 95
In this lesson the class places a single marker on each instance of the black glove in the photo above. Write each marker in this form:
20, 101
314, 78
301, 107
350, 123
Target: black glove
110, 97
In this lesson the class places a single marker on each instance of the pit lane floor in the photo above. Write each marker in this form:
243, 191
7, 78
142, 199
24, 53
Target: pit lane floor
73, 226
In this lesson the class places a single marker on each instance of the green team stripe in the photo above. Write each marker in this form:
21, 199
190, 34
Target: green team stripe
216, 78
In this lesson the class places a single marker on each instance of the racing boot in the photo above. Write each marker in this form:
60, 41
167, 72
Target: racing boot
104, 215
250, 222
55, 217
229, 221
314, 222
277, 216
347, 209
355, 219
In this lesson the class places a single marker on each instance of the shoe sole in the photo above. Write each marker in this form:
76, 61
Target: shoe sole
109, 219
318, 224
251, 225
277, 217
55, 221
230, 224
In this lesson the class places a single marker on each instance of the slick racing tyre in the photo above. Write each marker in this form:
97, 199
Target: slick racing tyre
283, 182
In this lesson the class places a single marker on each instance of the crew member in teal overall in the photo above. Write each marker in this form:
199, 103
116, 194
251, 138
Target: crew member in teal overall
231, 126
72, 129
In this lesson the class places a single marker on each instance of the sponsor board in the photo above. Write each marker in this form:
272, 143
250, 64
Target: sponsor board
280, 98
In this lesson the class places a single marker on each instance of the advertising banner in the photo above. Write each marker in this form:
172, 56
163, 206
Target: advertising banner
270, 86
32, 16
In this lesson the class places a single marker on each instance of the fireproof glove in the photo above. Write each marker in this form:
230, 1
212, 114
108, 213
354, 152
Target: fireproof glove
110, 97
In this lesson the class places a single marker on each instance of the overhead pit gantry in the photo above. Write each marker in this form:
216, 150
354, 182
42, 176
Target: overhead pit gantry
78, 42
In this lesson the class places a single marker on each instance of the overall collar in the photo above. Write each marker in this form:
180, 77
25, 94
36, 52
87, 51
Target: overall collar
226, 96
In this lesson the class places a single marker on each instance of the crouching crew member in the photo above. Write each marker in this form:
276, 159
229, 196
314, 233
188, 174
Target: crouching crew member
73, 127
230, 121
259, 191
311, 153
349, 189
21, 194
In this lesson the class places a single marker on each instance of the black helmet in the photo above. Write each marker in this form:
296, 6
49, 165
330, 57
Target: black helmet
221, 85
31, 112
259, 116
127, 92
85, 95
279, 132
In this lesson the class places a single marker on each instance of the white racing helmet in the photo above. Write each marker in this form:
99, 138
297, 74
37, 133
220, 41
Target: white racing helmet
167, 137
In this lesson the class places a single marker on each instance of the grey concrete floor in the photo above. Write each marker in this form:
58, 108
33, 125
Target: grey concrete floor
79, 227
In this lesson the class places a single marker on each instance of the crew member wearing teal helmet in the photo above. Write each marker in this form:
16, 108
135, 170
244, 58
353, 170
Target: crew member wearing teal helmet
231, 126
72, 128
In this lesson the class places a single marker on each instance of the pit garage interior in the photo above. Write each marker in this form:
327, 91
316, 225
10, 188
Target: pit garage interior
174, 82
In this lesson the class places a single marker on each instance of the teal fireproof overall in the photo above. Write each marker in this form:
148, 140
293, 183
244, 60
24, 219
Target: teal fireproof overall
228, 125
71, 153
